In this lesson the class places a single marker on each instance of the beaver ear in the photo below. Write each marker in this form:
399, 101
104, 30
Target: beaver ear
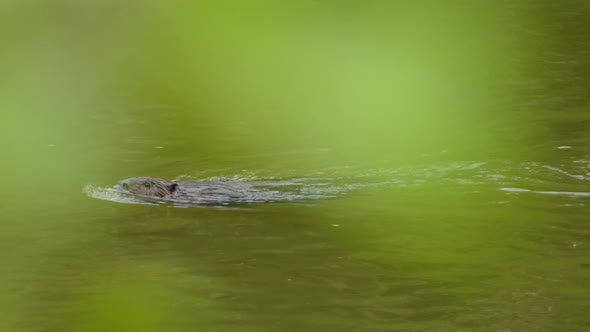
173, 187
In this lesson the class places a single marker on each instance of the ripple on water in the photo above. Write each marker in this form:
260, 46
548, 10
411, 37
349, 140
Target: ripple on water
111, 194
515, 179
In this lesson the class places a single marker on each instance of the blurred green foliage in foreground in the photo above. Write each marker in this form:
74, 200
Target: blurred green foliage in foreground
101, 90
370, 81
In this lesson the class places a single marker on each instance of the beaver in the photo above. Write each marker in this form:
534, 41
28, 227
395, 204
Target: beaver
198, 192
148, 187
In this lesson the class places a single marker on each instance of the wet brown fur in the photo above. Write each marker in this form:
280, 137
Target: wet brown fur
149, 187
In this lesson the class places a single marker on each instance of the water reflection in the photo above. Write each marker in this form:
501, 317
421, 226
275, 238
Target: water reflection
451, 140
369, 259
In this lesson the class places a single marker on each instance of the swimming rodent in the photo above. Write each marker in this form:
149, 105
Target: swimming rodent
197, 192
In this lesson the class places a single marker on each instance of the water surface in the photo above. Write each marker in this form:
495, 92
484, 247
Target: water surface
440, 155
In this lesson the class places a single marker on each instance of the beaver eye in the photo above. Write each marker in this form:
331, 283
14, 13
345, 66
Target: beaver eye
147, 184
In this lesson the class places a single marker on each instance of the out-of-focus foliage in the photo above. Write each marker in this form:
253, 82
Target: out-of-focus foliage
371, 80
368, 81
95, 91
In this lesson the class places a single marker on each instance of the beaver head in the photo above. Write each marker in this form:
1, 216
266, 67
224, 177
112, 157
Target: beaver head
150, 187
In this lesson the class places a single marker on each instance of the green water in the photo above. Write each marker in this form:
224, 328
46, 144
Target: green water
454, 139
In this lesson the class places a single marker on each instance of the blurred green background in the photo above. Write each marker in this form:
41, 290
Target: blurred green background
416, 94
